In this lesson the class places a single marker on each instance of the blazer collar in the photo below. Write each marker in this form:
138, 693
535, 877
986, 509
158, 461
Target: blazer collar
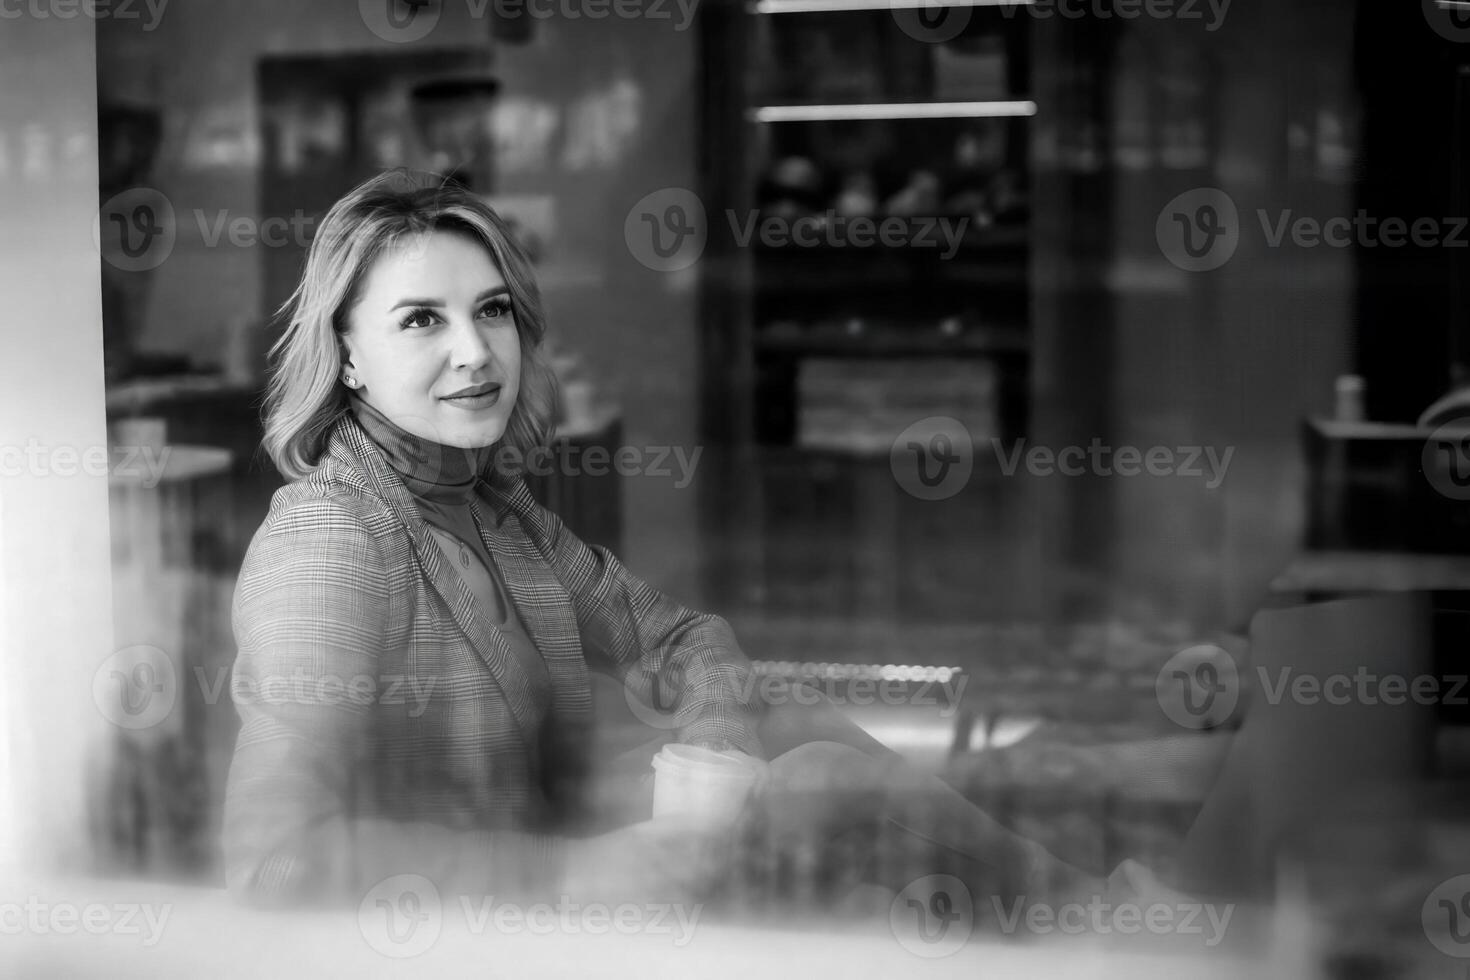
532, 585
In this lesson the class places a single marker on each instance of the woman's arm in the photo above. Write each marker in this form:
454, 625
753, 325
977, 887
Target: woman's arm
672, 657
310, 614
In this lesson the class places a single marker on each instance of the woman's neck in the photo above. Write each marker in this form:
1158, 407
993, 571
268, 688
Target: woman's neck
432, 470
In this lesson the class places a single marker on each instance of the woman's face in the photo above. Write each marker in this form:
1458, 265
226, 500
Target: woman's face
434, 343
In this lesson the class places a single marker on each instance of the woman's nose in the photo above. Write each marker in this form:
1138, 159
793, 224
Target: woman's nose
469, 348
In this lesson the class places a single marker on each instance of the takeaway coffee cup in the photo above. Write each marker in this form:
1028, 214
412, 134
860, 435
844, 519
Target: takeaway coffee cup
697, 782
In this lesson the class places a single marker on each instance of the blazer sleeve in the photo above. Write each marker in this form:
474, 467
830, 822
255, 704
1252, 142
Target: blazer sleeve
670, 656
310, 615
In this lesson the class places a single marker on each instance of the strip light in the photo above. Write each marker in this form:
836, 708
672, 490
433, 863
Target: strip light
891, 110
855, 672
834, 6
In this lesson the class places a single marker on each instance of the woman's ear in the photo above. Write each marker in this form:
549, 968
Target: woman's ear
347, 372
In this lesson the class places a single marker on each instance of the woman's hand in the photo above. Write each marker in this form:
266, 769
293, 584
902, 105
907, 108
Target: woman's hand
667, 859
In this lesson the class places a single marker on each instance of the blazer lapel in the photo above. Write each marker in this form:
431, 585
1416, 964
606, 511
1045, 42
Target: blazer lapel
488, 642
546, 610
539, 596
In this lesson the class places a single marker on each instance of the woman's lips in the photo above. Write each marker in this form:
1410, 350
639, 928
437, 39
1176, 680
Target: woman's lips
474, 402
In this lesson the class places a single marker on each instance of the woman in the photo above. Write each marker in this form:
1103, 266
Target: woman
415, 631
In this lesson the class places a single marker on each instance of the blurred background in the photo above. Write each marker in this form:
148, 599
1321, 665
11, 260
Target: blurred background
1127, 367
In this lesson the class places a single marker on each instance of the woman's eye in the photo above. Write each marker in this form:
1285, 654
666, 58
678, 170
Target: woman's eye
418, 318
497, 307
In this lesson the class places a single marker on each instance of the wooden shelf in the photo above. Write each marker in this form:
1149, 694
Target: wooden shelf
857, 111
1336, 572
890, 342
879, 271
1011, 240
869, 6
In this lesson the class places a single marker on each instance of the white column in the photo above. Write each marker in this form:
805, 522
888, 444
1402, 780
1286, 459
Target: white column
56, 602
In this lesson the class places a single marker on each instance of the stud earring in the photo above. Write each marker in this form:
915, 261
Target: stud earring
351, 382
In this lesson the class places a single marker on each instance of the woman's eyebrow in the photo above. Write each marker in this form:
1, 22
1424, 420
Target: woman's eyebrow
494, 291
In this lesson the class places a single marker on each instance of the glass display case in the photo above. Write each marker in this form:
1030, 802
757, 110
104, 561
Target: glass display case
866, 180
871, 235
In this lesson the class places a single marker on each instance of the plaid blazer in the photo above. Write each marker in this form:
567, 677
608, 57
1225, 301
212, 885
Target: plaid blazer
387, 728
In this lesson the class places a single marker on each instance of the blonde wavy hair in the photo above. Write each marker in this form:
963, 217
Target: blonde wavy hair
305, 396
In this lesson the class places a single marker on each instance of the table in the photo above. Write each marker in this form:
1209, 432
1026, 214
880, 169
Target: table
1382, 516
170, 599
1334, 572
1380, 486
200, 932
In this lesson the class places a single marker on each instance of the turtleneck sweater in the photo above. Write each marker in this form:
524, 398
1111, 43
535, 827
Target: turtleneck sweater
442, 480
